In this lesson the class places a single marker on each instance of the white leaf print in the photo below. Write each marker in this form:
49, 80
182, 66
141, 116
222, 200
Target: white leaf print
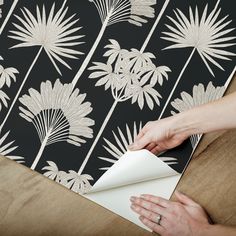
58, 114
124, 72
6, 149
52, 172
6, 74
127, 80
6, 77
120, 143
115, 11
72, 180
200, 96
132, 75
207, 34
3, 99
54, 33
76, 182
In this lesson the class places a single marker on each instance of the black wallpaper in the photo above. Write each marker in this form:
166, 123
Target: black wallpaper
68, 156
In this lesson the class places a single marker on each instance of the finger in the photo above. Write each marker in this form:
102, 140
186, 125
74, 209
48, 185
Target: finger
185, 199
150, 146
157, 150
146, 213
140, 143
151, 225
143, 131
142, 206
140, 135
157, 200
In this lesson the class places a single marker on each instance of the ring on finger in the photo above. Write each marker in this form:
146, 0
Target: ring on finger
158, 219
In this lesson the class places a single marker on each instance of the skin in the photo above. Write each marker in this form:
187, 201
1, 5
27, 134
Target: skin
184, 217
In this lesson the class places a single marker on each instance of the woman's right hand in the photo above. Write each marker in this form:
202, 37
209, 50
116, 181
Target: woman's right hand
158, 136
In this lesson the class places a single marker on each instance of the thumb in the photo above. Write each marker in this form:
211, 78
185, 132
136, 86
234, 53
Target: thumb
139, 143
185, 199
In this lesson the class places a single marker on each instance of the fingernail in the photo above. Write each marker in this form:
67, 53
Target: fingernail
132, 207
143, 196
132, 199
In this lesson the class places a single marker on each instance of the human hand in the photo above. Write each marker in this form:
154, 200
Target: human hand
158, 136
185, 217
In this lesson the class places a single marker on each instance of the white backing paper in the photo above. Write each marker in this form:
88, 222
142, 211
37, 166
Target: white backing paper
135, 173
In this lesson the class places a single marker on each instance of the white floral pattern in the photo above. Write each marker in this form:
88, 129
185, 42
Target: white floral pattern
54, 33
207, 33
71, 179
6, 149
121, 142
200, 96
138, 77
6, 74
58, 113
53, 173
113, 12
127, 80
133, 11
130, 75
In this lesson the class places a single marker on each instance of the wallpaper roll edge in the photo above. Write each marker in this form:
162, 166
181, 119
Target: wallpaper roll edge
133, 167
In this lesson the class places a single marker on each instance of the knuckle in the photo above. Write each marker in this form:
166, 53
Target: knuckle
158, 230
177, 207
150, 215
142, 211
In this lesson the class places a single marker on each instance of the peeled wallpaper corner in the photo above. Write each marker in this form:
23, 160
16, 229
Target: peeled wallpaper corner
80, 79
117, 199
133, 167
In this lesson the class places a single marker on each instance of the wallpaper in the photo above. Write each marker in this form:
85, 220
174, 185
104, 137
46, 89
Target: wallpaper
79, 79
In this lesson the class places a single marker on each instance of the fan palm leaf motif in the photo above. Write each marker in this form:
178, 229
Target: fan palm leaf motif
6, 74
200, 96
53, 173
7, 148
58, 114
6, 77
114, 11
72, 180
208, 34
121, 142
53, 33
129, 75
76, 182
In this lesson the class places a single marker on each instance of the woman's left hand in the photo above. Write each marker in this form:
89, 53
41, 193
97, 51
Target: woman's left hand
168, 218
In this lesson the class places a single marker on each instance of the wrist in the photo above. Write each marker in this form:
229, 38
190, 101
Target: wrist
186, 124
